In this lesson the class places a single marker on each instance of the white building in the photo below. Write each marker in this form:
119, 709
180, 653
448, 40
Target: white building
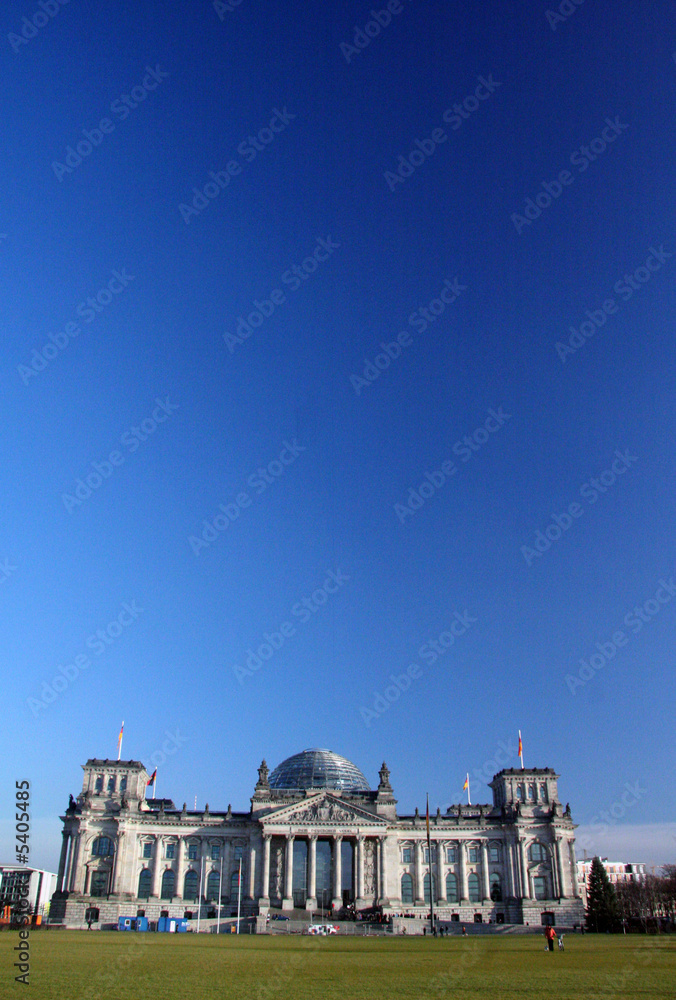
617, 871
41, 886
317, 835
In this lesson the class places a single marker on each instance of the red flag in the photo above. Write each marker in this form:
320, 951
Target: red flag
151, 779
520, 745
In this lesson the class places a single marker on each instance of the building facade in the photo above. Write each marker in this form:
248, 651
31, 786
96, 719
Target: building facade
617, 871
17, 882
317, 835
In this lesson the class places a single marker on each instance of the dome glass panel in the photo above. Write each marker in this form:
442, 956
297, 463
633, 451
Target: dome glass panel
318, 769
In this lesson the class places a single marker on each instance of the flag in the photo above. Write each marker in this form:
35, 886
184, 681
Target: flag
466, 785
151, 779
119, 741
520, 745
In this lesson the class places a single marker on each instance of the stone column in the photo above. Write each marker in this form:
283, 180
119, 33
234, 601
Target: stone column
116, 873
287, 902
462, 866
484, 872
311, 901
382, 872
69, 861
559, 865
252, 872
157, 862
525, 889
180, 873
573, 869
441, 873
419, 873
265, 891
509, 875
62, 860
337, 871
77, 869
360, 869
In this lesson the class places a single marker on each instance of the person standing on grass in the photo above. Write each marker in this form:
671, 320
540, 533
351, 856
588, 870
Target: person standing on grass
550, 934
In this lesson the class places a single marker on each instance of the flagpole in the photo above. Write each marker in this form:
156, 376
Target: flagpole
429, 851
155, 783
521, 750
469, 801
119, 742
239, 892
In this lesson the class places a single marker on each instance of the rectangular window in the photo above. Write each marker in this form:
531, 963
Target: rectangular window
474, 855
147, 850
171, 849
493, 854
452, 855
192, 852
540, 887
407, 855
239, 850
215, 852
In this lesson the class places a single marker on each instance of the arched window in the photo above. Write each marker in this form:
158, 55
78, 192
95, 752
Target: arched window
406, 888
519, 793
234, 884
99, 886
426, 887
168, 885
543, 793
111, 784
190, 886
531, 792
144, 884
496, 888
473, 887
102, 846
123, 784
98, 787
537, 852
451, 888
212, 886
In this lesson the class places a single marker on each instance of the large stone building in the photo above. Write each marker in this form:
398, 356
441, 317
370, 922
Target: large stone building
317, 835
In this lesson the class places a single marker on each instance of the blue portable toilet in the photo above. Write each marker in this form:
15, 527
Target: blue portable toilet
172, 925
132, 924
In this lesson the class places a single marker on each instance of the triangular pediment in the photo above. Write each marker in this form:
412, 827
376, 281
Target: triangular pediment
322, 810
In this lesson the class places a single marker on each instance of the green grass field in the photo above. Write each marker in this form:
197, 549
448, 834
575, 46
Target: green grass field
75, 965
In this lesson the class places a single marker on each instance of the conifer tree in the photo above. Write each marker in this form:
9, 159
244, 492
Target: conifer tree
602, 909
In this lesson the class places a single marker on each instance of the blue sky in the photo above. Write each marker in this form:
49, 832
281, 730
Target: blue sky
343, 342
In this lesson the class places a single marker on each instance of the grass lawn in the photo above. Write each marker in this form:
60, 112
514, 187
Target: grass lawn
101, 965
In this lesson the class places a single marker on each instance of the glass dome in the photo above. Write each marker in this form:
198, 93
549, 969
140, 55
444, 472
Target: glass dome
318, 769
